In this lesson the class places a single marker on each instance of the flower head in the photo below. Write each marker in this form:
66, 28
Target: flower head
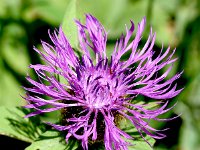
99, 91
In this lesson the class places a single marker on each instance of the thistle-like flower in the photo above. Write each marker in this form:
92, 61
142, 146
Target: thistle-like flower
99, 91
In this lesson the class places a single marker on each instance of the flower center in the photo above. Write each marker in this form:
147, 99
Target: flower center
101, 89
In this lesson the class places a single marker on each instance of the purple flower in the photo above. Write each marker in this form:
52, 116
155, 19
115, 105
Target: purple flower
98, 92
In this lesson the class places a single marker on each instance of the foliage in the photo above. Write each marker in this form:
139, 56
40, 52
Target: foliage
23, 23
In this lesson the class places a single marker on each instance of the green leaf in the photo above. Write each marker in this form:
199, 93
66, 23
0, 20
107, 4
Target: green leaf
9, 89
138, 142
186, 13
13, 48
52, 140
72, 12
141, 144
189, 106
10, 9
12, 70
189, 130
114, 18
53, 14
14, 125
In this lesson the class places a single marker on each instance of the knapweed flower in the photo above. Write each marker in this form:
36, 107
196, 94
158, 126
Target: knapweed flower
99, 91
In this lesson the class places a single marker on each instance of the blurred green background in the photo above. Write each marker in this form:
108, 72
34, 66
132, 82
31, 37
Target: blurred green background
24, 23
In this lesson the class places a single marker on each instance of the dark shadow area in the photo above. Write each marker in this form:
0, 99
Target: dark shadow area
191, 38
8, 143
172, 134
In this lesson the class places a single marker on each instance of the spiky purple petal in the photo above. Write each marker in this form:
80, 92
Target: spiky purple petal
100, 90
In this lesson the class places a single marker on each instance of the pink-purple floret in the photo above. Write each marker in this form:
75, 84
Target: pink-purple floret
103, 85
